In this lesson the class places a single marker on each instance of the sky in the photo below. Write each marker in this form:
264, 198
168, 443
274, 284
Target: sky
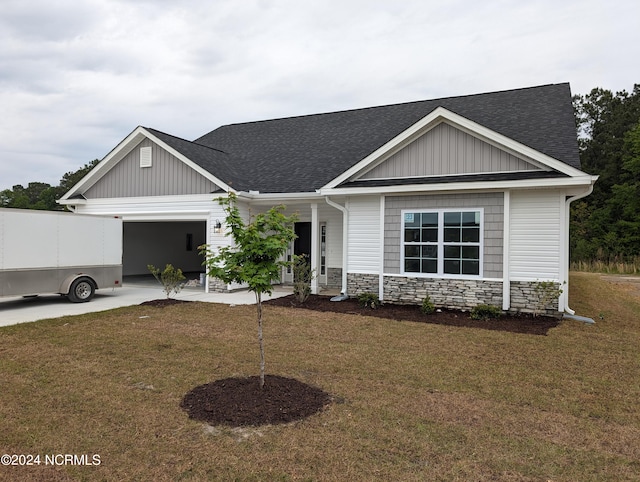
77, 76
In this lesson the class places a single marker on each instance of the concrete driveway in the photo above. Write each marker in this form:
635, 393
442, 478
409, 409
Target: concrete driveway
21, 310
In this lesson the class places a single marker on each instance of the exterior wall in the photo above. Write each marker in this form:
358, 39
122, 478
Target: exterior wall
493, 204
535, 235
445, 150
166, 176
364, 235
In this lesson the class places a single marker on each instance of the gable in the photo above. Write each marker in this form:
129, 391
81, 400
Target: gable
445, 151
163, 175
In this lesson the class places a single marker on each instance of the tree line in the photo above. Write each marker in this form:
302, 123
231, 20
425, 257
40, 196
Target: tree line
605, 226
41, 195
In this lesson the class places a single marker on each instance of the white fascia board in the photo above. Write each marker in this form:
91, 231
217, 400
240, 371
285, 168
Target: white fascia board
176, 199
124, 148
286, 197
116, 154
437, 116
583, 181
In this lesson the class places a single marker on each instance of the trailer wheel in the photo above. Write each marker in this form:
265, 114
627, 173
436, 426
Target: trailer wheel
81, 290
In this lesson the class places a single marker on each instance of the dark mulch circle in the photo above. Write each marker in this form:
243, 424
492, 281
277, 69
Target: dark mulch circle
161, 303
515, 323
240, 402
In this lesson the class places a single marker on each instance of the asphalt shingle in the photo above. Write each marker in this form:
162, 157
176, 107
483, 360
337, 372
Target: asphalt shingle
302, 154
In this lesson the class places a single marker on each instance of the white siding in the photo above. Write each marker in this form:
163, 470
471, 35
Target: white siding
535, 235
364, 235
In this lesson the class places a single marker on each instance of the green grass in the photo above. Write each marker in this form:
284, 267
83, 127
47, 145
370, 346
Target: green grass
413, 401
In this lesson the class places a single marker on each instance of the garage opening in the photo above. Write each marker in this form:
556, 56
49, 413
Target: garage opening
161, 243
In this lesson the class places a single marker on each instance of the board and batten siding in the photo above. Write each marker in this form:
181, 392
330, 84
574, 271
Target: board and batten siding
445, 150
535, 235
167, 175
364, 235
491, 203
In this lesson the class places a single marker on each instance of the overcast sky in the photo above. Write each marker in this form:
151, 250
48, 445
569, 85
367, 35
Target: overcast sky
77, 76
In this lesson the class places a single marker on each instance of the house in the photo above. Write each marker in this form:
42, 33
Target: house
465, 199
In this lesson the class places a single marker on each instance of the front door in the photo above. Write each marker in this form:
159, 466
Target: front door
301, 245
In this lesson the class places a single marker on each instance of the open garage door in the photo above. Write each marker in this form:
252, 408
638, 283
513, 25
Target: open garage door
162, 242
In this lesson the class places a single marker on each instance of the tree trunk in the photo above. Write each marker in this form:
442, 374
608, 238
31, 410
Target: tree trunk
259, 304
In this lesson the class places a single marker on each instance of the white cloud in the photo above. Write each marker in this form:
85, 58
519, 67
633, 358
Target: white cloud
77, 77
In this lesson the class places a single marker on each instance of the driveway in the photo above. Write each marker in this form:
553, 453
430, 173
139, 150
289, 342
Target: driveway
14, 310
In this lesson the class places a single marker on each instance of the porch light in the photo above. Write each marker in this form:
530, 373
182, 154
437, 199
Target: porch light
217, 228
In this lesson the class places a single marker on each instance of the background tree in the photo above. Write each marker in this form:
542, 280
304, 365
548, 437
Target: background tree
40, 195
255, 258
605, 224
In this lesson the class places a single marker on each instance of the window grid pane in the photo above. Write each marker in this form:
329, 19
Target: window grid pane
452, 235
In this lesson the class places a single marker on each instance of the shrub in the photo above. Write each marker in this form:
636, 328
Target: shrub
427, 306
369, 300
302, 277
485, 312
546, 291
171, 278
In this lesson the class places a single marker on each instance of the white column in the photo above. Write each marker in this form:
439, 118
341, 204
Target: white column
315, 248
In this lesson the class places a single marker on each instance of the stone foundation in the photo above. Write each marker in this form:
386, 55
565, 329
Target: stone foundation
525, 299
334, 278
358, 283
452, 294
216, 285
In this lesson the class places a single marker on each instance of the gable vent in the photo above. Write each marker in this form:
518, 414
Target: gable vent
145, 156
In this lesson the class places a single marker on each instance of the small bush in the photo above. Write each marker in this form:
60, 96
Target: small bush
369, 300
486, 312
427, 306
171, 278
302, 277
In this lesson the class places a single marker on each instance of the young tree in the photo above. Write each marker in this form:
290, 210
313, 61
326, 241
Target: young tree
255, 258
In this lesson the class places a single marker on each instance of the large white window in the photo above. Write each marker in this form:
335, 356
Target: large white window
442, 242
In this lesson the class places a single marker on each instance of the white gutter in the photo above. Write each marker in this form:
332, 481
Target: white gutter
345, 240
568, 202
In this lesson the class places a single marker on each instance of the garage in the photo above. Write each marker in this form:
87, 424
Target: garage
163, 242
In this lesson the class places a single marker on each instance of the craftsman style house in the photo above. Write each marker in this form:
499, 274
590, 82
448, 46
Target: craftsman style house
465, 199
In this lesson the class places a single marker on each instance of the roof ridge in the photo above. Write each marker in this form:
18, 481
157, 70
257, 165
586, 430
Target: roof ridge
357, 109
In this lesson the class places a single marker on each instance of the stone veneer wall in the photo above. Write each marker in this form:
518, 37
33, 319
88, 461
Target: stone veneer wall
358, 283
525, 299
454, 294
334, 278
216, 285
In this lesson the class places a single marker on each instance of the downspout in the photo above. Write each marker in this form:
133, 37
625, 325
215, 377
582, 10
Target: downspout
345, 243
568, 202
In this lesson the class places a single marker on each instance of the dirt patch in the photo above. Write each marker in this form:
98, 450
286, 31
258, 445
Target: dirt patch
240, 402
631, 284
515, 323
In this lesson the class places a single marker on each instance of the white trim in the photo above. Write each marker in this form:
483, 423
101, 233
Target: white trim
506, 246
381, 270
437, 116
315, 248
584, 180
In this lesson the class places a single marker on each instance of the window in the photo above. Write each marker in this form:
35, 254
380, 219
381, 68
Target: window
442, 242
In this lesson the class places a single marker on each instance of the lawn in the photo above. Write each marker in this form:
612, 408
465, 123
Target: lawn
411, 401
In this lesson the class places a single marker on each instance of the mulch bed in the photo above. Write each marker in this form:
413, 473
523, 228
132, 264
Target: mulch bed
515, 323
240, 402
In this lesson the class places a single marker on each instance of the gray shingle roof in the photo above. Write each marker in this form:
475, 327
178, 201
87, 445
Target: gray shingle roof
301, 154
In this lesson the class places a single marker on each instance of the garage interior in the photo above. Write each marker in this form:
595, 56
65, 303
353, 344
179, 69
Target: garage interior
160, 243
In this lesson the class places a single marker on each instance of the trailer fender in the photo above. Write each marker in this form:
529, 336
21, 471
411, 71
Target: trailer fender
78, 288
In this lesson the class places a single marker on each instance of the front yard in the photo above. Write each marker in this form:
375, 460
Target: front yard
410, 401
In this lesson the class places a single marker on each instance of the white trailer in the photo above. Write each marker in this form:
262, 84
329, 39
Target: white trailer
58, 252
